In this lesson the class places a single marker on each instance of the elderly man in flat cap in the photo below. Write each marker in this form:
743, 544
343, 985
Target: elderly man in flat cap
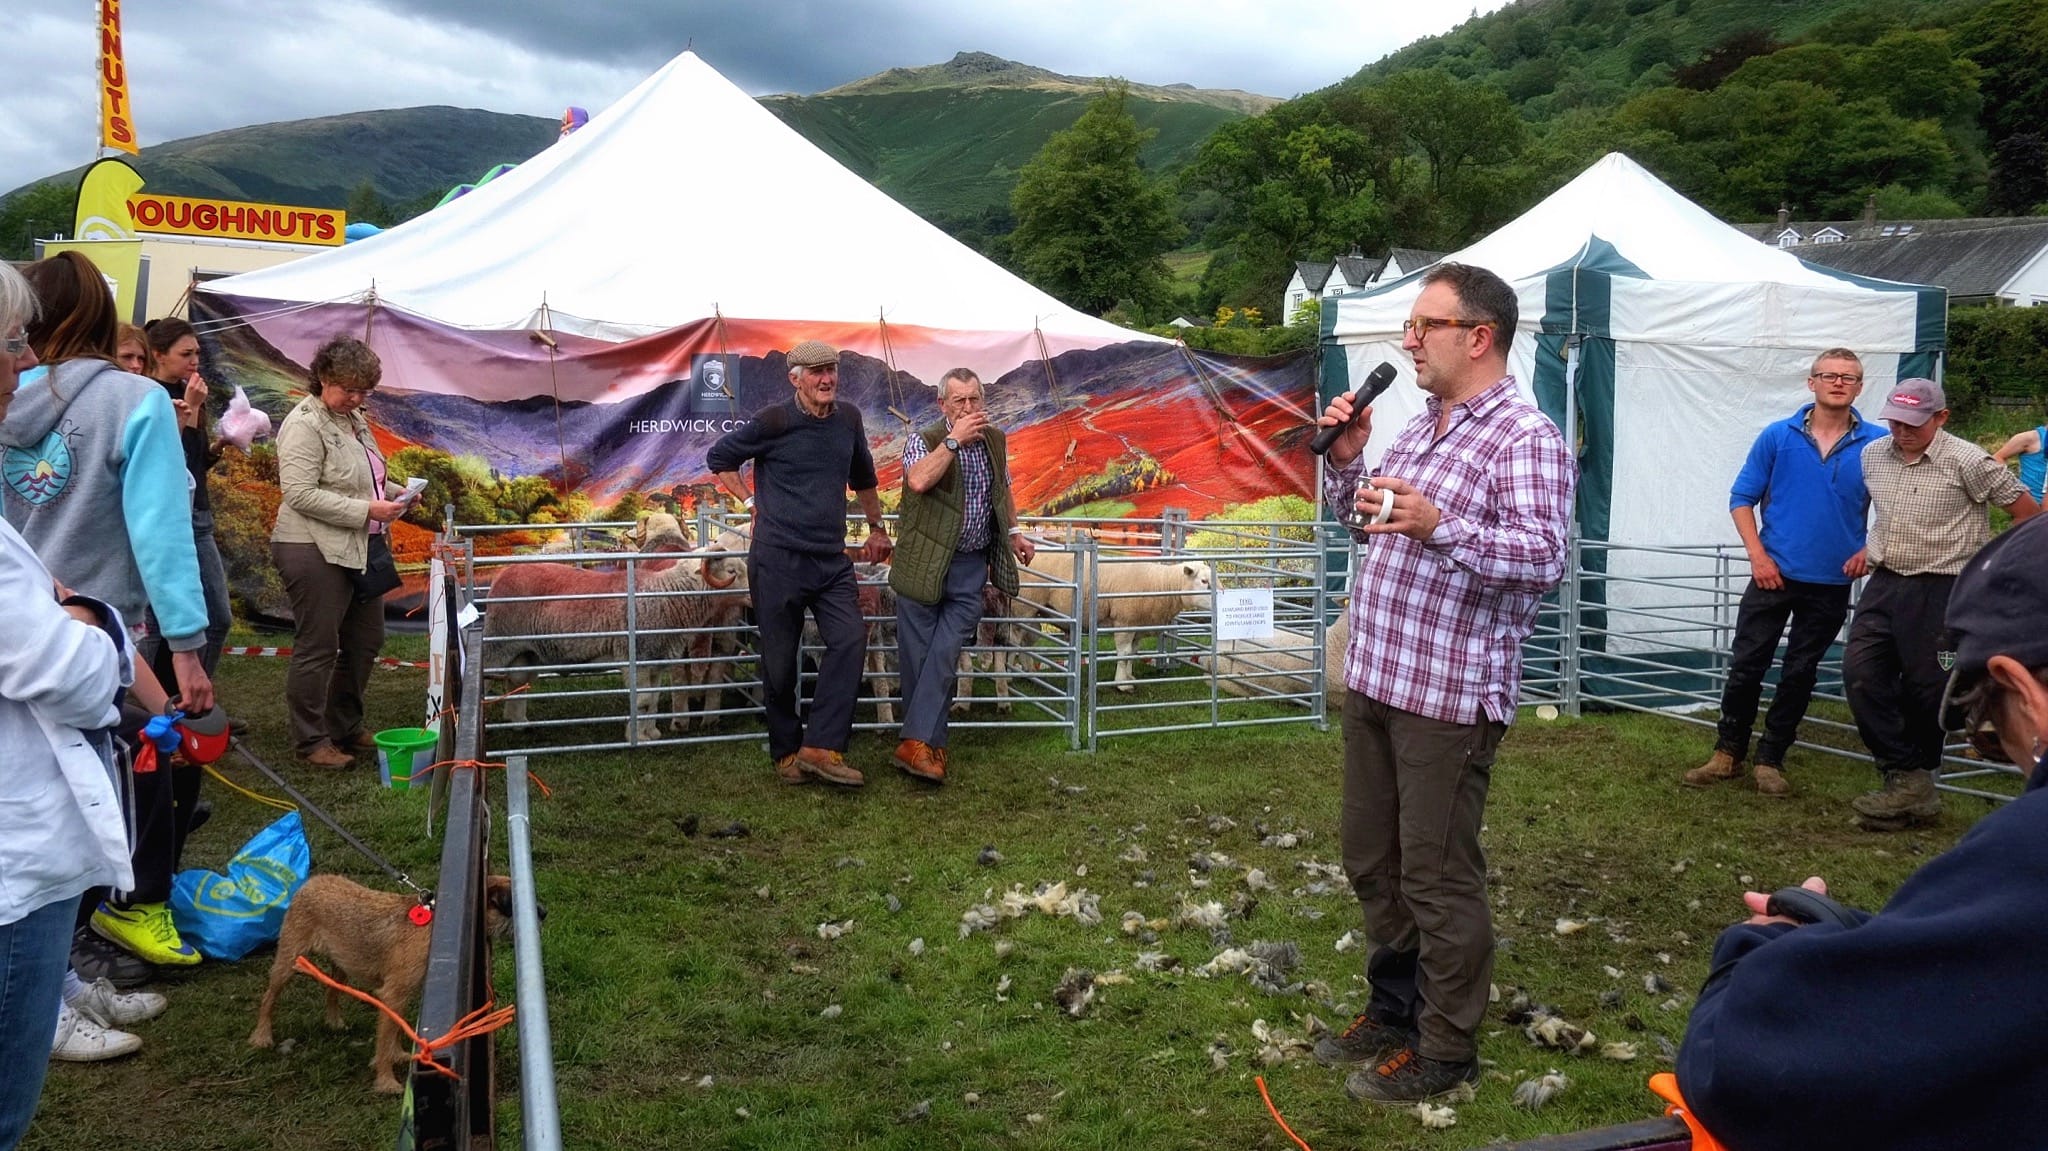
806, 451
1929, 491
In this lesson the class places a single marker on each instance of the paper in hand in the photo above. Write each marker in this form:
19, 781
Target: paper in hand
413, 488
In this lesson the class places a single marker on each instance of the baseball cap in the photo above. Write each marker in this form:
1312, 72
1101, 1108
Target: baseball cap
812, 354
1914, 402
1995, 606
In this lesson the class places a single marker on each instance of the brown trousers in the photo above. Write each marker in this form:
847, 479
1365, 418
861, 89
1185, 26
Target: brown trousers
336, 646
1414, 797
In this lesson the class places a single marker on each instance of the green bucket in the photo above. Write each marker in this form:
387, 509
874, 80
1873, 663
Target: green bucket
403, 752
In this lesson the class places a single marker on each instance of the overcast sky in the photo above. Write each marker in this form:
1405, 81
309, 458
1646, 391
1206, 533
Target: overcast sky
199, 66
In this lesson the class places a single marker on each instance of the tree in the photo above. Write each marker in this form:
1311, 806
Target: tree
1091, 224
36, 214
366, 206
1455, 123
2019, 173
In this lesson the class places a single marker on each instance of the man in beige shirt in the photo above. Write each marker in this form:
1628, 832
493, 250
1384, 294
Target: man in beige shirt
1929, 491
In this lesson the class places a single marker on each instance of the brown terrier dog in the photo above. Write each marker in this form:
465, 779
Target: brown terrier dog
373, 945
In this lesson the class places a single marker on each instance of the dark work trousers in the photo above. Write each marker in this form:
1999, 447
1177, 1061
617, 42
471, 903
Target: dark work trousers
1892, 669
1816, 611
928, 642
1414, 798
785, 584
333, 651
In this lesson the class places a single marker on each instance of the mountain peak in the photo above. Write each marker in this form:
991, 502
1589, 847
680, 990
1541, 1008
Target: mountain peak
986, 70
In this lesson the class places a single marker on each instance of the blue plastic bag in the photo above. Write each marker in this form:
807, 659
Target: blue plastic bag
228, 916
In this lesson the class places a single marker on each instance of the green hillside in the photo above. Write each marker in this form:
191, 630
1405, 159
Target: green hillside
954, 153
403, 153
1933, 108
946, 140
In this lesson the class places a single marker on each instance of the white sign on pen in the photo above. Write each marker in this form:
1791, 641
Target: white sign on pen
1244, 613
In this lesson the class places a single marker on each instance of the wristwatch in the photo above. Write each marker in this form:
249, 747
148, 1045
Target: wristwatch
952, 445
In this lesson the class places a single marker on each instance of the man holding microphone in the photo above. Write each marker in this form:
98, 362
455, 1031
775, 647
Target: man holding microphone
1464, 523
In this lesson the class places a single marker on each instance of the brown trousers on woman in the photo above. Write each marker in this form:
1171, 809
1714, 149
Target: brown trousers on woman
336, 646
1414, 798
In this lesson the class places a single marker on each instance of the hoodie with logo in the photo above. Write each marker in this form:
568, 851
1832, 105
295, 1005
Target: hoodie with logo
92, 474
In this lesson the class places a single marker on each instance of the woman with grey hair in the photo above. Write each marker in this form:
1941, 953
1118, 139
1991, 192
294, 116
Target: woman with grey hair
63, 663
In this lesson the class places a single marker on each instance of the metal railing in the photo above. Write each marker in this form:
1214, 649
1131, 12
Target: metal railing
458, 1113
1649, 629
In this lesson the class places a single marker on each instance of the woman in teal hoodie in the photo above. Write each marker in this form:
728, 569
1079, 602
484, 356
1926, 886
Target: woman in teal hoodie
95, 481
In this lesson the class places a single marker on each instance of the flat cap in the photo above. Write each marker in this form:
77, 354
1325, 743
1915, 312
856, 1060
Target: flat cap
812, 354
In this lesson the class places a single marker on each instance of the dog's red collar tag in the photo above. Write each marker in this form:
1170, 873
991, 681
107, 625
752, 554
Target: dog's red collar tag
421, 915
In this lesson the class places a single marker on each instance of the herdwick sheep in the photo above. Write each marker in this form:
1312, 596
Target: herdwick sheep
1128, 596
677, 606
997, 632
878, 609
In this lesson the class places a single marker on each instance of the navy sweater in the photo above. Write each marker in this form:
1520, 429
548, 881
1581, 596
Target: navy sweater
803, 465
1921, 1028
1813, 509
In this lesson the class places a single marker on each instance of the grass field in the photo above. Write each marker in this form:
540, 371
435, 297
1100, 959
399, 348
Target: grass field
691, 993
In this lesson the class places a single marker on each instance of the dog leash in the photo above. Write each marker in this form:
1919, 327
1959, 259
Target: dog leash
426, 895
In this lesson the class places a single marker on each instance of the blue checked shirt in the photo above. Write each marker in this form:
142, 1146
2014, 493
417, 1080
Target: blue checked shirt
978, 519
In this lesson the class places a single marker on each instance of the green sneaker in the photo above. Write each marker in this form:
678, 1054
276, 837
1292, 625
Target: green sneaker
146, 930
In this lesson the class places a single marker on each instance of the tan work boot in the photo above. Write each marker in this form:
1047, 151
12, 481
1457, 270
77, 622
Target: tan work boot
1719, 768
787, 770
1907, 798
830, 766
920, 759
1771, 781
328, 756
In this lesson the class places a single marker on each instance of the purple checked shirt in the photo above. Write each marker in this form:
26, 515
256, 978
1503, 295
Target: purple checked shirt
1437, 627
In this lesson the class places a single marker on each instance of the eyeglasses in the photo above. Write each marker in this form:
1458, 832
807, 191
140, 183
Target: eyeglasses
1837, 377
1420, 325
15, 344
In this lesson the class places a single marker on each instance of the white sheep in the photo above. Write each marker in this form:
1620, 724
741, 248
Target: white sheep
1129, 596
678, 607
1280, 664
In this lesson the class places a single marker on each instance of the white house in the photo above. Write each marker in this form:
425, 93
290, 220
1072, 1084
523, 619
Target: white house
1348, 274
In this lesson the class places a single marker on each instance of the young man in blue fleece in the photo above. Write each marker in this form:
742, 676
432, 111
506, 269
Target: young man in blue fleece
1805, 476
1921, 1026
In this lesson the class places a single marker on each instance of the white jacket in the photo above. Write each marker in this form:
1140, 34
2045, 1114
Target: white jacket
61, 828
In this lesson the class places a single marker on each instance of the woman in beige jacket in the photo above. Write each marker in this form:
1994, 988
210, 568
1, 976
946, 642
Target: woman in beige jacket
336, 499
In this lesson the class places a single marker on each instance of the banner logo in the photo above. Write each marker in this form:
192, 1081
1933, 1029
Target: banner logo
117, 120
188, 216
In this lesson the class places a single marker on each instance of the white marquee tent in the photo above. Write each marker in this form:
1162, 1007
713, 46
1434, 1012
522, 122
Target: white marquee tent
1662, 339
684, 200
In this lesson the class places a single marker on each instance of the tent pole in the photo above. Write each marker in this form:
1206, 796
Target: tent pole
546, 336
1569, 591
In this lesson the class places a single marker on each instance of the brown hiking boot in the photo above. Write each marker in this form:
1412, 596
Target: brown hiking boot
1907, 798
830, 766
787, 771
922, 760
1719, 768
1367, 1040
1771, 781
328, 756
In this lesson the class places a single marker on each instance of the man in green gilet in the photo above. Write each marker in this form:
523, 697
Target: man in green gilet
957, 531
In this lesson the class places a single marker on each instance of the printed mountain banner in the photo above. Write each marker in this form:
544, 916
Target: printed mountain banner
1123, 429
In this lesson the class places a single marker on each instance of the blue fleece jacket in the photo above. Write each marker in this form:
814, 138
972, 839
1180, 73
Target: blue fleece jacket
1813, 510
1920, 1028
803, 465
95, 481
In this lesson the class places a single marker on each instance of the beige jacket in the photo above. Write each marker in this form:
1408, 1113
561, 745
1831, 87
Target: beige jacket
324, 469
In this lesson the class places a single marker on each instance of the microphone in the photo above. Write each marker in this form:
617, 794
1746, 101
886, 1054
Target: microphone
1367, 392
